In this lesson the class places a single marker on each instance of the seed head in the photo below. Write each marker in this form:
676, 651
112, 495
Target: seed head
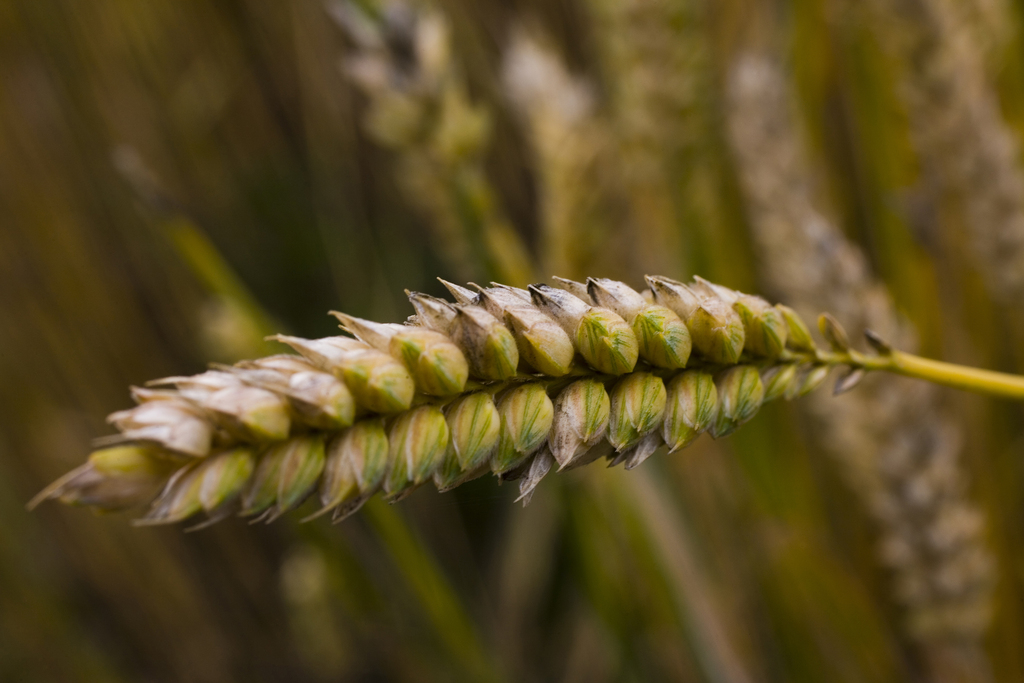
474, 426
431, 312
603, 338
717, 331
377, 381
833, 333
293, 405
763, 325
261, 492
691, 408
543, 344
812, 379
178, 500
637, 409
299, 473
798, 335
709, 290
112, 479
581, 420
615, 296
663, 338
577, 289
417, 443
224, 476
321, 400
357, 460
606, 342
780, 380
248, 413
317, 399
488, 345
436, 364
167, 421
740, 394
674, 295
526, 415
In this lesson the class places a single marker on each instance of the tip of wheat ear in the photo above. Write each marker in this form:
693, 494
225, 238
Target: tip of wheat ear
515, 382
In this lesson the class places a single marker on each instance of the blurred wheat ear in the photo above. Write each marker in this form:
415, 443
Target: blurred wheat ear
969, 149
893, 437
403, 60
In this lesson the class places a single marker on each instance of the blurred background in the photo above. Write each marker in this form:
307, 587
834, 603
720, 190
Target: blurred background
178, 179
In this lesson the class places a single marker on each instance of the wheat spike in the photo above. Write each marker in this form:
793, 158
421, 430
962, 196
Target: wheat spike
530, 381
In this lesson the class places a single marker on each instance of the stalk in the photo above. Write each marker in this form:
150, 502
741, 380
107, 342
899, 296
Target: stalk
957, 376
977, 380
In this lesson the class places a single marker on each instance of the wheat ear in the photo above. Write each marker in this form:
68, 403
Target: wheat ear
512, 381
899, 448
958, 128
419, 105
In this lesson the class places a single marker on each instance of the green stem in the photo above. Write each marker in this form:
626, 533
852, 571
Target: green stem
977, 380
957, 376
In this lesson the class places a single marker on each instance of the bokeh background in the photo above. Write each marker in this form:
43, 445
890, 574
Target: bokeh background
177, 179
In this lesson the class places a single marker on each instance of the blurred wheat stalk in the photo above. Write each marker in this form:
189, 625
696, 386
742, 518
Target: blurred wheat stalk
898, 445
966, 148
419, 106
568, 139
656, 67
